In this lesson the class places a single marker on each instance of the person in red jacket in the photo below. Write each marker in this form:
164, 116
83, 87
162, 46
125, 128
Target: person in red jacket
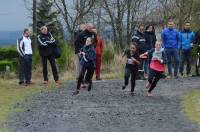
99, 52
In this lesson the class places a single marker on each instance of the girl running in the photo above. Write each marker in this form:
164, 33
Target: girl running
131, 68
88, 64
157, 65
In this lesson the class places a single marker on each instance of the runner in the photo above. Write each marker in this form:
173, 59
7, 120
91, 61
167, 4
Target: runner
157, 66
131, 68
88, 64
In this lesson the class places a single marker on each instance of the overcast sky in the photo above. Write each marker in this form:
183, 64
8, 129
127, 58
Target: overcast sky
13, 15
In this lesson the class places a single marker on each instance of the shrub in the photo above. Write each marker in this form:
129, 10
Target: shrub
66, 60
8, 53
108, 55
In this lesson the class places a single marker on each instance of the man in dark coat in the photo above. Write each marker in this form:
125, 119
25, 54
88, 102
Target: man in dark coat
47, 45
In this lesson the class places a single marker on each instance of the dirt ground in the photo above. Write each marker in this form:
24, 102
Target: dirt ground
107, 109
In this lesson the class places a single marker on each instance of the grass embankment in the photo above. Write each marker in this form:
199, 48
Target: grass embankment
191, 105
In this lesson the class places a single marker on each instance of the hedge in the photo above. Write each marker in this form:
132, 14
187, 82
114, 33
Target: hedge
8, 53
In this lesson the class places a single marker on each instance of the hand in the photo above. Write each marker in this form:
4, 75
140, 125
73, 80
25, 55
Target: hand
133, 59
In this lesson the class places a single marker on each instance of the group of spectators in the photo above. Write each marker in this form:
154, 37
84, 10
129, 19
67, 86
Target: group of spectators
176, 44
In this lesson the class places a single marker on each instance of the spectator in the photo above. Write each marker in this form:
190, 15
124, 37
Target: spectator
150, 37
139, 39
186, 38
47, 45
78, 46
170, 44
24, 49
99, 52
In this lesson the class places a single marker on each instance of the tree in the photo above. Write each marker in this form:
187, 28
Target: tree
47, 16
73, 13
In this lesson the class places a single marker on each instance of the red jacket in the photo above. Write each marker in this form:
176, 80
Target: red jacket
99, 45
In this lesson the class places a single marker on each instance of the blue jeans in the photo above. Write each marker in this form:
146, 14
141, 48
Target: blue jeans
172, 54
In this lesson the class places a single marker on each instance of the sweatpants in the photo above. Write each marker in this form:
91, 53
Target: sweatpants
185, 57
25, 69
52, 61
133, 73
87, 73
154, 77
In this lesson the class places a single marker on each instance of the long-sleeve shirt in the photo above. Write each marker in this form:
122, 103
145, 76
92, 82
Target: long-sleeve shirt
24, 46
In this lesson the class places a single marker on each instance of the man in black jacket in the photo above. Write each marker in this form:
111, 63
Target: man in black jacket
80, 42
139, 39
47, 45
82, 27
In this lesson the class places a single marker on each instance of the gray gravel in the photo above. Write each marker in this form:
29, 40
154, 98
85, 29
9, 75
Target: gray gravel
107, 109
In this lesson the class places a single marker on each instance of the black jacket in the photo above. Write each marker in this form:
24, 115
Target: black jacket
81, 39
139, 39
150, 40
46, 44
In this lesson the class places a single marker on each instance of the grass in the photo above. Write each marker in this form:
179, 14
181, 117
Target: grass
191, 106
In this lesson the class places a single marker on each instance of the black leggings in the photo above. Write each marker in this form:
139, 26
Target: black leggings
154, 77
88, 77
133, 72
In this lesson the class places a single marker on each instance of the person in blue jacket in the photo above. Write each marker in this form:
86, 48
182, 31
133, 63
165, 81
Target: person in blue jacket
88, 64
170, 44
186, 38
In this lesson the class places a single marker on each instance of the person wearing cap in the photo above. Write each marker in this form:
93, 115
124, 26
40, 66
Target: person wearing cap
24, 49
47, 45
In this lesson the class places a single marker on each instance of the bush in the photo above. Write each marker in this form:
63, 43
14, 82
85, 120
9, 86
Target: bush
6, 65
108, 55
8, 53
66, 60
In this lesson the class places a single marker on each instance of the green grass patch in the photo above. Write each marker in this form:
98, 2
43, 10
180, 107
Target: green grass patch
191, 105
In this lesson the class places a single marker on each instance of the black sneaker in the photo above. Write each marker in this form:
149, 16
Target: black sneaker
21, 82
75, 93
132, 93
123, 87
89, 87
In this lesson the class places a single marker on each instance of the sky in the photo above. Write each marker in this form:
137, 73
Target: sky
13, 15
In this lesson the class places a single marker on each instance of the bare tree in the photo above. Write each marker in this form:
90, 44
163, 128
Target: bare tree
73, 12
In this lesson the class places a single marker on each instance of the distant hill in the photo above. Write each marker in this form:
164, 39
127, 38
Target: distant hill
9, 37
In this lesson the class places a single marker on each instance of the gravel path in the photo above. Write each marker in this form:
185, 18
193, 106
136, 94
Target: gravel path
107, 109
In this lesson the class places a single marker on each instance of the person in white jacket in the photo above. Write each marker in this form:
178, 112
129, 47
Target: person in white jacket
24, 49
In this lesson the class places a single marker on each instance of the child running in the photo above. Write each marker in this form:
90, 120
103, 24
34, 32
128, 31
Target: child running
131, 68
157, 66
88, 64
